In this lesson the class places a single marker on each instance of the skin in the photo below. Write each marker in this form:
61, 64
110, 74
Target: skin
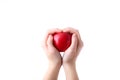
69, 58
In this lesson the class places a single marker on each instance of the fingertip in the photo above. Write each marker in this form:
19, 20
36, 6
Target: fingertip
74, 35
66, 30
50, 37
50, 40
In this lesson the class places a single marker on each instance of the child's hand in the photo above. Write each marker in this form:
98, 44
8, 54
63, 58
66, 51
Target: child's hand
72, 52
52, 53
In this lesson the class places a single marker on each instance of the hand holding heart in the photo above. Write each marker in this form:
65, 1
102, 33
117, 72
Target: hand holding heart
67, 40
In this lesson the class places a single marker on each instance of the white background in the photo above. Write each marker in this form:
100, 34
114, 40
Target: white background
24, 22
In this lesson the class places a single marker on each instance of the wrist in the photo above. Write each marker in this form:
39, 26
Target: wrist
72, 62
70, 71
69, 65
52, 71
55, 64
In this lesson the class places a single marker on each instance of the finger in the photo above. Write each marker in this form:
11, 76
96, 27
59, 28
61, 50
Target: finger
50, 31
54, 30
80, 42
50, 41
80, 46
72, 30
69, 29
73, 45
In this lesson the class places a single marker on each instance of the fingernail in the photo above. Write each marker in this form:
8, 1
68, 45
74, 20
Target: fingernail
50, 36
74, 35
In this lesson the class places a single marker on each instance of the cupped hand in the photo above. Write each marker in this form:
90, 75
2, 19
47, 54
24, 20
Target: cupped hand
70, 55
52, 53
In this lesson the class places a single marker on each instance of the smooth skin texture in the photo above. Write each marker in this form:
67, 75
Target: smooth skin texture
69, 58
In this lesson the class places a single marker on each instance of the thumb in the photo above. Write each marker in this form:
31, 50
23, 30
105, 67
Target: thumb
50, 41
73, 45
